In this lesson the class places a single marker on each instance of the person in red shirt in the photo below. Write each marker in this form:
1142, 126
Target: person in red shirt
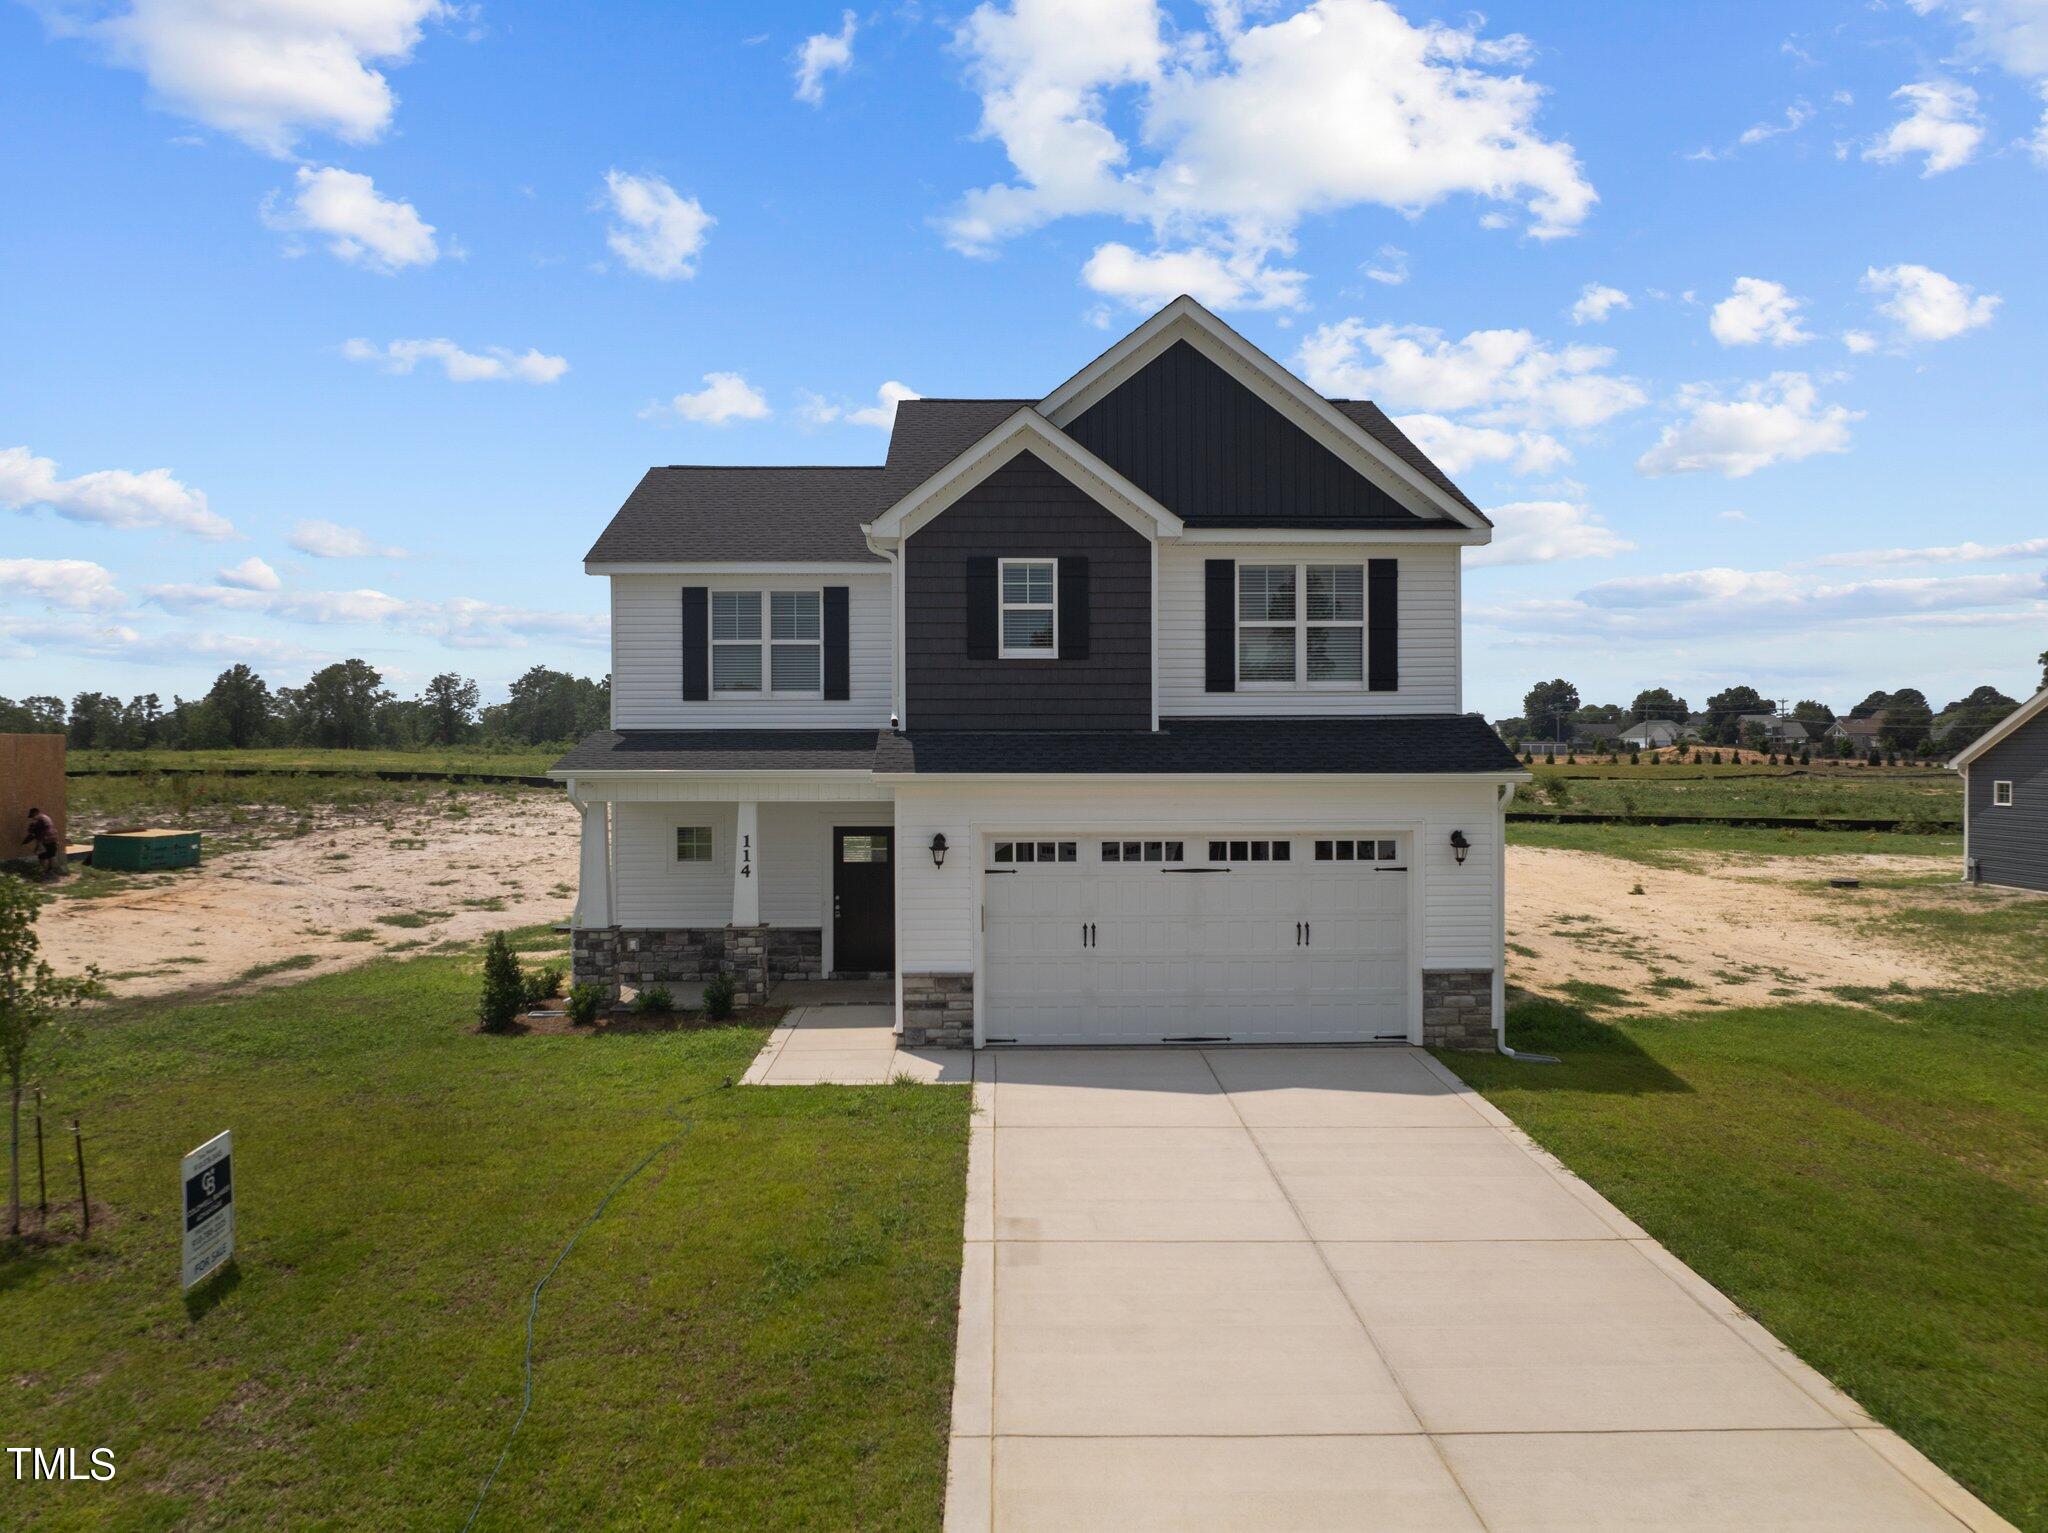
43, 831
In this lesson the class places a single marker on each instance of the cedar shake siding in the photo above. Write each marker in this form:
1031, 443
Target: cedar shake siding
1027, 510
2010, 846
1216, 455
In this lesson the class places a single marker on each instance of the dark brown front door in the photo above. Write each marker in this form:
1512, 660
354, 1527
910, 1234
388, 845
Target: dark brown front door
863, 899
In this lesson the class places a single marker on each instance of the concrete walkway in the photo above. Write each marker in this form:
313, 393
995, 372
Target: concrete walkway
848, 1046
1334, 1288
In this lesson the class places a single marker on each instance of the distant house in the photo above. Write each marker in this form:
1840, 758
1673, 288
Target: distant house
1651, 734
1696, 727
1862, 734
2005, 799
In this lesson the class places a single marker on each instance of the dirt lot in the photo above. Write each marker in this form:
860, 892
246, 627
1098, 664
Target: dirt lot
315, 890
1745, 930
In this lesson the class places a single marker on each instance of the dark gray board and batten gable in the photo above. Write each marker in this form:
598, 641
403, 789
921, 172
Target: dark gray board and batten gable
2010, 845
1026, 510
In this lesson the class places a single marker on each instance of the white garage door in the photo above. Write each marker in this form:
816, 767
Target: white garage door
1252, 940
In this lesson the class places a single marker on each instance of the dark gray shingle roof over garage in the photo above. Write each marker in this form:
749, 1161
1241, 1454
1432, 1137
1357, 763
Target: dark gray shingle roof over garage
723, 750
1432, 743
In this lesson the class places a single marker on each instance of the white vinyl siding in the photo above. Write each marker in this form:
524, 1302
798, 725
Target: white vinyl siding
647, 656
1429, 618
656, 889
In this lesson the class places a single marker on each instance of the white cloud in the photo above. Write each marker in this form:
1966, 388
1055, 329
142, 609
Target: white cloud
113, 497
268, 72
1778, 420
252, 574
1455, 447
460, 622
1859, 341
1943, 125
1391, 267
1597, 301
657, 231
1731, 516
1504, 377
1544, 531
1950, 553
361, 226
1797, 115
1927, 306
21, 638
1216, 278
75, 583
331, 540
2012, 34
824, 53
494, 363
882, 413
1758, 311
725, 397
1240, 132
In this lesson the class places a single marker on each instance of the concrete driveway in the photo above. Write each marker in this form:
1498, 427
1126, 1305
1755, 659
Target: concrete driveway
1334, 1288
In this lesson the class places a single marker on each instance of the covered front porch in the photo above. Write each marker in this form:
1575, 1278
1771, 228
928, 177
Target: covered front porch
684, 877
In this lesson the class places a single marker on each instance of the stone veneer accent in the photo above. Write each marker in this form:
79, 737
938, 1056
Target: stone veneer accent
938, 1011
1457, 1009
613, 956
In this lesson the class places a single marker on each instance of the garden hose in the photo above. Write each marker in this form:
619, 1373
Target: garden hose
533, 1302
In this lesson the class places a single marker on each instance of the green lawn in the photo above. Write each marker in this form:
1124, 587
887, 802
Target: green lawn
1899, 793
758, 1332
1671, 846
246, 806
1872, 1185
512, 760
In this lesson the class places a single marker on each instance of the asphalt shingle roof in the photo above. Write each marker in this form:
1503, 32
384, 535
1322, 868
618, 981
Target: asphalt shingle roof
713, 513
722, 750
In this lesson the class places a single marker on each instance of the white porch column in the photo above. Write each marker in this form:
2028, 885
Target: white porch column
746, 865
594, 867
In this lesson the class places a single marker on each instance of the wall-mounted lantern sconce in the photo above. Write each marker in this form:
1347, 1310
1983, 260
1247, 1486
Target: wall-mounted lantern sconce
1459, 846
939, 850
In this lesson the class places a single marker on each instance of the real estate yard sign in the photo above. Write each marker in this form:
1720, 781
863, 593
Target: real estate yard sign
209, 1207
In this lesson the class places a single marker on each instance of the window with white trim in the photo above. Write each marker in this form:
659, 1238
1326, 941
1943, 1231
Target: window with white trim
1143, 851
1027, 608
1012, 852
693, 843
1301, 625
2001, 795
1360, 850
1251, 851
787, 660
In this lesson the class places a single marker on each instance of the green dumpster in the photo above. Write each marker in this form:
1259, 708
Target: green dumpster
145, 851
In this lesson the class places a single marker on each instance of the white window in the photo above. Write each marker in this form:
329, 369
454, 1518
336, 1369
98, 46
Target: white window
693, 843
1251, 851
1301, 624
1011, 852
2001, 795
789, 660
1028, 608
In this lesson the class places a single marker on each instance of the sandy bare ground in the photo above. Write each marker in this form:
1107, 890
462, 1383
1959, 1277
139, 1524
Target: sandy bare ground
1744, 931
347, 890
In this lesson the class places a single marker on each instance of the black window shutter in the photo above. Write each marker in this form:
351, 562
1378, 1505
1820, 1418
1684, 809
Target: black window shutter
981, 609
1073, 599
838, 668
1220, 624
1383, 625
696, 643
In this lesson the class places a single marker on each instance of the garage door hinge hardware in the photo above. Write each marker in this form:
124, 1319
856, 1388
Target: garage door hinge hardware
1199, 1038
1194, 870
996, 872
1390, 870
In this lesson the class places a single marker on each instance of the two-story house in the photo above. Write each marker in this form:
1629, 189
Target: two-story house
1131, 713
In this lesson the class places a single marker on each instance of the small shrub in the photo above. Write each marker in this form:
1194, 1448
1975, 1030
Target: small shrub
655, 998
542, 984
503, 992
1635, 758
718, 997
585, 1002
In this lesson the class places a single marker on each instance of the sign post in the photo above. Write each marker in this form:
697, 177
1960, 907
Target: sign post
209, 1208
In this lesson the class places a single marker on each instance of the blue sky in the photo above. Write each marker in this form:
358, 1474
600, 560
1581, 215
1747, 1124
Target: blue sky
345, 337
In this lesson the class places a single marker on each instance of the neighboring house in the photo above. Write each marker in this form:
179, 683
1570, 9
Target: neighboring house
1651, 734
1696, 727
1862, 734
1175, 655
1778, 731
2005, 799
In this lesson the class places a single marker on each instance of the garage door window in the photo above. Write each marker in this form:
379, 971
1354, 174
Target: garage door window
1251, 851
1010, 853
1357, 851
1143, 851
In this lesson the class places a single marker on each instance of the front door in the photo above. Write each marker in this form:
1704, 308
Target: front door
863, 900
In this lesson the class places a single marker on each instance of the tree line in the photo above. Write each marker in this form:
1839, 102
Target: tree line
344, 706
1910, 725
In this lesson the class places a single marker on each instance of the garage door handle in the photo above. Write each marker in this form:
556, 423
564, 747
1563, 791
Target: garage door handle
1297, 934
1308, 934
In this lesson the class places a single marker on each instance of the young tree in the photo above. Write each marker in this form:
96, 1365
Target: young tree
1660, 703
1549, 706
239, 705
448, 708
32, 995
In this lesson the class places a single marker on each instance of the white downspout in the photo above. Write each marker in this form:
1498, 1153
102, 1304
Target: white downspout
1500, 969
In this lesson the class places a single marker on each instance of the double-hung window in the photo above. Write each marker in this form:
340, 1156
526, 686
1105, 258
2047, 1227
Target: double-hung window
1028, 608
1301, 624
2001, 794
787, 659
